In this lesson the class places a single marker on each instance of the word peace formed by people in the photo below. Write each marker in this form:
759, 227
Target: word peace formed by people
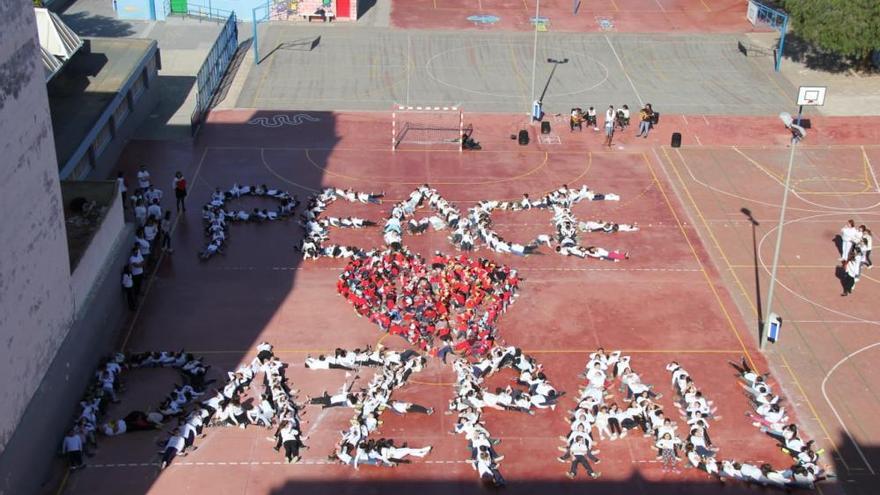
468, 231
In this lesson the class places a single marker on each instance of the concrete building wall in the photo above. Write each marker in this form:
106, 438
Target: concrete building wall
95, 260
36, 304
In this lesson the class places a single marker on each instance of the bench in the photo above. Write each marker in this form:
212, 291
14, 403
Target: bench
327, 17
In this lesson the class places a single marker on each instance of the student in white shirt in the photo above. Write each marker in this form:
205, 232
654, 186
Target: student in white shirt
128, 287
143, 177
72, 447
866, 245
173, 447
849, 236
136, 263
140, 212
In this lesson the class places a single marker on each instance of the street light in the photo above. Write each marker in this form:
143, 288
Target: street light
797, 134
535, 47
556, 63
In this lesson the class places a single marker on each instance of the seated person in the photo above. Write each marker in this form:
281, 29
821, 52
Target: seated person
591, 118
577, 119
468, 142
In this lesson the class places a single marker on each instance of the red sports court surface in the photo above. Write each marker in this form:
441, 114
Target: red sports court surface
667, 302
634, 16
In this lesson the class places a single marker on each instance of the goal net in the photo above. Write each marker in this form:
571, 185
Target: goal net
426, 126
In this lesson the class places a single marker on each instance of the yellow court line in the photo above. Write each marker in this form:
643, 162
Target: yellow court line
869, 168
706, 5
700, 263
813, 410
520, 77
708, 229
143, 298
614, 4
63, 483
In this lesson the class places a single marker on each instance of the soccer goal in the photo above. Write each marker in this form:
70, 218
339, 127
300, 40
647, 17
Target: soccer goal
426, 126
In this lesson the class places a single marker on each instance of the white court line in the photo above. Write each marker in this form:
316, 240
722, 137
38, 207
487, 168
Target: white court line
834, 410
625, 73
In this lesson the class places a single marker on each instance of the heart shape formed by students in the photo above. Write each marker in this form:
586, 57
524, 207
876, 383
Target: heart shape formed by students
454, 300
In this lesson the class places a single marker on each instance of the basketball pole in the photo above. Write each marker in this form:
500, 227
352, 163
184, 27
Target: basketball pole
535, 54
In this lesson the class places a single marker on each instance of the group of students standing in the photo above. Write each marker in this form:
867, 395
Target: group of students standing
153, 227
855, 252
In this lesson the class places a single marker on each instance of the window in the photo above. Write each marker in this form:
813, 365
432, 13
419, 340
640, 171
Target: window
121, 112
102, 140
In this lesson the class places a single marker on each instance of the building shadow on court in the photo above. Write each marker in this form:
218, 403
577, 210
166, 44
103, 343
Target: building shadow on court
221, 306
853, 465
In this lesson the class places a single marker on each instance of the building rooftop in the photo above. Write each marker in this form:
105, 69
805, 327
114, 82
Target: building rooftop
81, 92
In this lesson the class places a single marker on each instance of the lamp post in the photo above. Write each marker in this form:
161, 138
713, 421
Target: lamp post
797, 133
556, 63
535, 48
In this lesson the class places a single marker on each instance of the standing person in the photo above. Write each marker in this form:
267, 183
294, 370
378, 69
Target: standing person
609, 131
849, 236
72, 447
851, 272
122, 187
143, 177
610, 114
136, 262
128, 287
867, 245
592, 120
165, 232
180, 191
646, 116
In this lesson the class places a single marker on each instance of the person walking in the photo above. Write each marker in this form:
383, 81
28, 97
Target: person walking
179, 186
851, 271
609, 131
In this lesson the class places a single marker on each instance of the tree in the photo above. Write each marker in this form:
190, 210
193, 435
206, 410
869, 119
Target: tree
850, 28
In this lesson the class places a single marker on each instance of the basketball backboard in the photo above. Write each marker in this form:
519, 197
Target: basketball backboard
811, 95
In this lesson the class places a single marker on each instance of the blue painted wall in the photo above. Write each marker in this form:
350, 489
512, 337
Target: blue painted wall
141, 9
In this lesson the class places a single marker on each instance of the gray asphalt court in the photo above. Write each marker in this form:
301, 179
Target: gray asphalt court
346, 68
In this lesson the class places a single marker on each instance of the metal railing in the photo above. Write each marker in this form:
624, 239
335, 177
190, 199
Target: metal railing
213, 69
